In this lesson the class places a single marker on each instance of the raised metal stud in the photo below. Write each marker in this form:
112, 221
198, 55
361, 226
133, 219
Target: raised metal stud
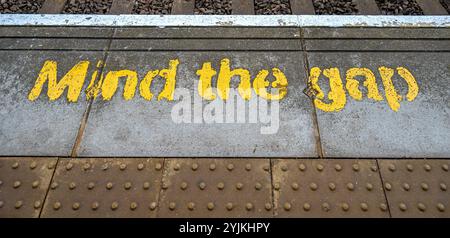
37, 204
220, 186
164, 185
409, 167
105, 167
284, 168
392, 167
212, 167
109, 185
194, 166
350, 186
388, 186
127, 185
51, 165
17, 184
54, 185
72, 185
402, 207
294, 186
424, 186
287, 206
239, 186
86, 166
56, 206
229, 206
306, 207
33, 165
258, 186
276, 186
18, 204
1, 204
427, 167
369, 187
69, 166
421, 206
440, 207
133, 206
248, 167
266, 167
443, 186
249, 206
202, 185
338, 167
75, 206
230, 167
326, 207
313, 186
332, 186
114, 205
345, 207
445, 167
176, 167
268, 206
302, 167
35, 184
191, 206
183, 185
374, 168
364, 207
91, 185
152, 206
15, 165
406, 187
319, 167
122, 166
210, 206
146, 185
355, 167
95, 206
383, 207
140, 166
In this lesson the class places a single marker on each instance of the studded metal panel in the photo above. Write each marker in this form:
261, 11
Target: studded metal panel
417, 188
104, 188
328, 188
23, 185
216, 188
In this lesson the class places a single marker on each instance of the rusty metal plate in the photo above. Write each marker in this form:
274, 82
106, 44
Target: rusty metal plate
23, 185
104, 188
417, 188
216, 188
328, 188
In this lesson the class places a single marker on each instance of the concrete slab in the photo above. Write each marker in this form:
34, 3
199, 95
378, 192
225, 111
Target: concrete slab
369, 128
144, 128
40, 127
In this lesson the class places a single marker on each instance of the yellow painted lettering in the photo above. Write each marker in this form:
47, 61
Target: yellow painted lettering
370, 82
413, 88
144, 86
170, 75
225, 75
94, 86
392, 96
111, 82
204, 84
260, 84
73, 80
336, 94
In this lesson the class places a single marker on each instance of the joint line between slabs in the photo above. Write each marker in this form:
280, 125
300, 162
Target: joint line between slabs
384, 190
85, 118
48, 187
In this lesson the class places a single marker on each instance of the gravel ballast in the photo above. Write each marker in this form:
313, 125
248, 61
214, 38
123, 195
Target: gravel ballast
153, 7
20, 6
272, 7
399, 7
332, 7
213, 7
87, 6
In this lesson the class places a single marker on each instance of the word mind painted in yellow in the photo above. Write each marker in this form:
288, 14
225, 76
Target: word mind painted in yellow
107, 84
337, 94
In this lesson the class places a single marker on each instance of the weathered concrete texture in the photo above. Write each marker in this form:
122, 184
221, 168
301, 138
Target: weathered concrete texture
145, 128
41, 127
368, 128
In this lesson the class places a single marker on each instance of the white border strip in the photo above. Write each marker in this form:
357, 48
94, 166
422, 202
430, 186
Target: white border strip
218, 21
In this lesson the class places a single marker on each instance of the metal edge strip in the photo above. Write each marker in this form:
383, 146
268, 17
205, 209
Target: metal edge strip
221, 21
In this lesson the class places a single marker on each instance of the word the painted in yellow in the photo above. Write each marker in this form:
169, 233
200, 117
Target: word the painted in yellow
337, 94
107, 84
